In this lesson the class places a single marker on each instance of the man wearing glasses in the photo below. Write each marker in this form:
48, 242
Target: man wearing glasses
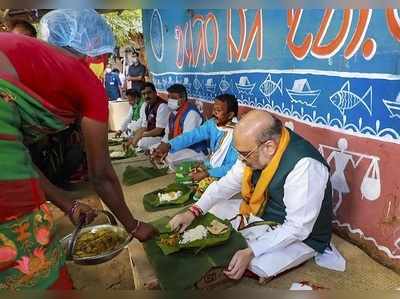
283, 180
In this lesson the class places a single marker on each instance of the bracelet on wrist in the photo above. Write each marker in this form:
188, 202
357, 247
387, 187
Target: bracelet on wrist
196, 211
75, 206
133, 231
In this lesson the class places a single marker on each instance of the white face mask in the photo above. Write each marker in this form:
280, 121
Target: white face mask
173, 104
108, 70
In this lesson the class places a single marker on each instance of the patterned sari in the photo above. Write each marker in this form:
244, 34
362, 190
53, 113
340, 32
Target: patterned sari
30, 256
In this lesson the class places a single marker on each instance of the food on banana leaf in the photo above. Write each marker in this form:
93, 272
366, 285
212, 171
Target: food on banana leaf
117, 154
170, 240
197, 233
217, 228
169, 196
95, 243
202, 186
115, 141
184, 169
196, 238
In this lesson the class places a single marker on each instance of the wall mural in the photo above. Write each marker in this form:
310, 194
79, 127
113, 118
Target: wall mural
332, 75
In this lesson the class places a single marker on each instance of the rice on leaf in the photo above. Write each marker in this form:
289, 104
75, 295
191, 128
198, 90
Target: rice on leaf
181, 196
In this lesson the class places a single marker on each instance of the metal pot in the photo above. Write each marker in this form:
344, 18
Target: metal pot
69, 242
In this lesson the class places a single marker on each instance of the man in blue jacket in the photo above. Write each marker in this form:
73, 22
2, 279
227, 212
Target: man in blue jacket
218, 131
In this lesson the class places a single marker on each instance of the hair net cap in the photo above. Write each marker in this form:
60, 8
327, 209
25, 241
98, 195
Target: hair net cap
83, 30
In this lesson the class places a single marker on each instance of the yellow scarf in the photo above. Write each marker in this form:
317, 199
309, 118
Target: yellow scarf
254, 199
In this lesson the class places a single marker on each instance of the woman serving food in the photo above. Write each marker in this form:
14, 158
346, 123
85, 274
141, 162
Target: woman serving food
51, 88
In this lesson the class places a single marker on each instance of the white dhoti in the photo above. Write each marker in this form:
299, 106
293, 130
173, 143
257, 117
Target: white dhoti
147, 142
273, 263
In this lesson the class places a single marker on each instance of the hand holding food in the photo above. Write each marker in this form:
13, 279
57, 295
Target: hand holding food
161, 151
126, 145
198, 174
205, 233
181, 221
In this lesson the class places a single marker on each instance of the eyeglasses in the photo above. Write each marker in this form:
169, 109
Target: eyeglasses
243, 156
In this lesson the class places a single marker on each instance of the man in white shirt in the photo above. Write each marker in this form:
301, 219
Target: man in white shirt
184, 117
153, 117
132, 122
282, 179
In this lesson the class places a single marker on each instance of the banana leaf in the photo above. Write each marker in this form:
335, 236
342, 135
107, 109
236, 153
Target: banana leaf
151, 202
128, 154
115, 141
183, 269
197, 245
182, 172
134, 175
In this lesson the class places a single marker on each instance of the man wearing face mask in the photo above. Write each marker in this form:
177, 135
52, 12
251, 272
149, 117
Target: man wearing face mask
184, 117
218, 131
136, 71
112, 84
282, 179
154, 119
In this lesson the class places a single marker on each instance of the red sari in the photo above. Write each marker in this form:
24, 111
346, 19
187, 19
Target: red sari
53, 90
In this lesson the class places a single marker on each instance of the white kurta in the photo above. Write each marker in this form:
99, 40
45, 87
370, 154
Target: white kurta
129, 126
161, 122
279, 249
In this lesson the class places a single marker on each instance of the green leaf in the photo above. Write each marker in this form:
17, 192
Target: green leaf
134, 175
151, 201
181, 270
182, 172
198, 245
115, 141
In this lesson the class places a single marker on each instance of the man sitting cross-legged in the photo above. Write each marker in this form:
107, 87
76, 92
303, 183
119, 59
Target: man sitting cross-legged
282, 179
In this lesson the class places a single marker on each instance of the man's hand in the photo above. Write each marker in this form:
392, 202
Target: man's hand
127, 144
239, 263
145, 232
198, 175
161, 151
181, 221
